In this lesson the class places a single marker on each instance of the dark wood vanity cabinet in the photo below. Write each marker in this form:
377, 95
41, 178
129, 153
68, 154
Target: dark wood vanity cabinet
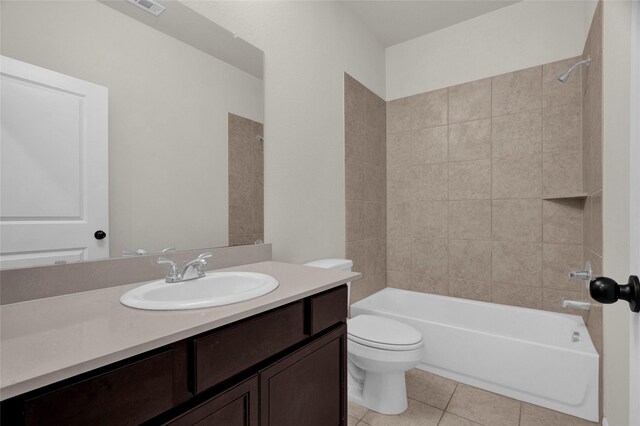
237, 406
283, 367
309, 386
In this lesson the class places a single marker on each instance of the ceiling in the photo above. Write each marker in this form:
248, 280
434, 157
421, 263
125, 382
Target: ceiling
394, 21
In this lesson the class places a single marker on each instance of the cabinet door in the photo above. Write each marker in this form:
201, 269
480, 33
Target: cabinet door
236, 407
309, 386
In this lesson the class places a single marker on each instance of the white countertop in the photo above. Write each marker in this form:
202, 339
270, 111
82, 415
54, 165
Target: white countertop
46, 340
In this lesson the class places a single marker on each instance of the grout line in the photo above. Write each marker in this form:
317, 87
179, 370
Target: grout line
441, 416
491, 189
451, 397
466, 418
520, 415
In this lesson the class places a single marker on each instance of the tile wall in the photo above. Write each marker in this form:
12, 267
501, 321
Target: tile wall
365, 187
592, 168
477, 182
246, 181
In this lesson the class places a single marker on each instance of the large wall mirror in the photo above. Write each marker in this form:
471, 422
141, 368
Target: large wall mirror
184, 108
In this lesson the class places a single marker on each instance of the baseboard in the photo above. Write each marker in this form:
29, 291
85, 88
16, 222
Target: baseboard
604, 421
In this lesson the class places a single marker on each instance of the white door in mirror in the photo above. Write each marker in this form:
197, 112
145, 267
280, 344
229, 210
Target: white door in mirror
215, 289
54, 202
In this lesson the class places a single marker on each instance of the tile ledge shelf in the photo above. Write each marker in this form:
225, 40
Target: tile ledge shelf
568, 195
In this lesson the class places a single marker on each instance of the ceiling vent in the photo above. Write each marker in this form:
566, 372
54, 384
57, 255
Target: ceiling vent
149, 5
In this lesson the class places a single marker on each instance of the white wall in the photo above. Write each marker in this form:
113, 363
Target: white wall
307, 46
634, 211
522, 35
615, 204
168, 105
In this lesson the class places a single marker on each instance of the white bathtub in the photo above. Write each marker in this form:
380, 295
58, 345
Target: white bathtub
525, 354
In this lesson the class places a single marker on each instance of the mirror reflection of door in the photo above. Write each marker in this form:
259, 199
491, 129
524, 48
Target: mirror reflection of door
172, 81
246, 181
54, 167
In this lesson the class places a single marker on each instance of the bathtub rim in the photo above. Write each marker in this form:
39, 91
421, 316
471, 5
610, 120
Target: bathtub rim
590, 348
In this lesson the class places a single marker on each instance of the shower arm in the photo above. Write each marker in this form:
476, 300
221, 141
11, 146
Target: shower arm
584, 61
565, 75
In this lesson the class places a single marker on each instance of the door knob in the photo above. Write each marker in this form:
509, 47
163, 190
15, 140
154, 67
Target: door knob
100, 234
606, 290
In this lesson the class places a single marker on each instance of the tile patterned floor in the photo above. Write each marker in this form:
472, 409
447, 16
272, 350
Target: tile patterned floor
436, 401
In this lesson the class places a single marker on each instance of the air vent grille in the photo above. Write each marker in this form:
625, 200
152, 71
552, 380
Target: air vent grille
148, 5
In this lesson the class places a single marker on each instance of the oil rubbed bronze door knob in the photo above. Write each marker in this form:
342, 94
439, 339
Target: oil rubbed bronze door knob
606, 290
100, 234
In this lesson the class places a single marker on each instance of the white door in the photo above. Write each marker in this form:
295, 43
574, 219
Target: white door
634, 225
53, 167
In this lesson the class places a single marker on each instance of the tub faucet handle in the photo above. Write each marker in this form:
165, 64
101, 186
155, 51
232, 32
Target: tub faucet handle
580, 275
584, 275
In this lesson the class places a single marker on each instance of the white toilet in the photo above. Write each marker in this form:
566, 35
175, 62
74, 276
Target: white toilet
380, 350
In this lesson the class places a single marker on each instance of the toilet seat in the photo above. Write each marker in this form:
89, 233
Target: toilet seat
383, 333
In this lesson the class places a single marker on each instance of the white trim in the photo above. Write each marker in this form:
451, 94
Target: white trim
604, 421
634, 210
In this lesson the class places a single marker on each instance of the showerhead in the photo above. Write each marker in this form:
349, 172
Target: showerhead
565, 76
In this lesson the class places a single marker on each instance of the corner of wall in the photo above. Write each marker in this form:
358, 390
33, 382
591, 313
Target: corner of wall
616, 21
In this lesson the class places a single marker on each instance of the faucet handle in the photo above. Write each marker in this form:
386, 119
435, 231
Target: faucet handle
172, 274
162, 260
205, 255
580, 275
584, 275
172, 264
138, 252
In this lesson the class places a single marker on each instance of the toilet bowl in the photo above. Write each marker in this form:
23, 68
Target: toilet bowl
380, 350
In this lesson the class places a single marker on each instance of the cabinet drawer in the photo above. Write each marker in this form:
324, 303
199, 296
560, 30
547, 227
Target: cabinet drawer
327, 309
222, 354
127, 395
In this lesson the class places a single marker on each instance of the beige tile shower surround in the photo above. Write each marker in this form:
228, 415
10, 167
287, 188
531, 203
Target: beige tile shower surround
246, 181
365, 192
468, 171
592, 168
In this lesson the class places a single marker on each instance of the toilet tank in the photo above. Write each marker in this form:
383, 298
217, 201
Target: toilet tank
338, 264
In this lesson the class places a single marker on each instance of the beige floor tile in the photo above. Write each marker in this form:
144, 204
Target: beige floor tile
429, 388
484, 407
532, 415
449, 419
418, 414
352, 421
356, 410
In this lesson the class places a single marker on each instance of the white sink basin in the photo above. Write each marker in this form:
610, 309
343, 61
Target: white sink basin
215, 289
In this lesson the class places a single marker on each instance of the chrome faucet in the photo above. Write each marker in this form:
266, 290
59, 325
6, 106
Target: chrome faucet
585, 275
583, 305
190, 271
143, 252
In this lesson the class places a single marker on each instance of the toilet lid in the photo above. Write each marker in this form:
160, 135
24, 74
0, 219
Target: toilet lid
385, 333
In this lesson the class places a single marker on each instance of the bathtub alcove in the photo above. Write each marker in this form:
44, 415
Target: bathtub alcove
544, 358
